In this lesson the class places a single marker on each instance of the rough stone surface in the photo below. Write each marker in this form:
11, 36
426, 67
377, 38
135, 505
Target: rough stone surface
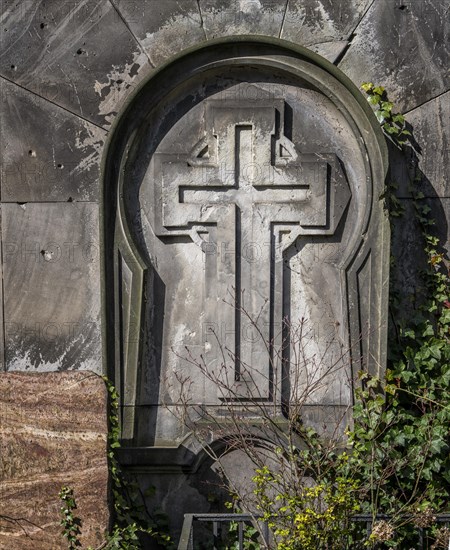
163, 28
316, 21
403, 46
53, 431
431, 130
407, 248
422, 167
80, 55
227, 18
66, 69
51, 286
48, 154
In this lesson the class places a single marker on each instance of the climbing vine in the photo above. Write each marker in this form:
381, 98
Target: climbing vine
71, 524
392, 124
410, 427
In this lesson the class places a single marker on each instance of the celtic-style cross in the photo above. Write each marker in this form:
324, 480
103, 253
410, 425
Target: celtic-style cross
244, 194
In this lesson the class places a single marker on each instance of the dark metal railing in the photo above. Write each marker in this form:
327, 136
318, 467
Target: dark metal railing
187, 534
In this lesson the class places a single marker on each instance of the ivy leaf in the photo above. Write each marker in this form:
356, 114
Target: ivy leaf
367, 86
409, 333
390, 129
435, 351
374, 99
379, 90
390, 388
398, 118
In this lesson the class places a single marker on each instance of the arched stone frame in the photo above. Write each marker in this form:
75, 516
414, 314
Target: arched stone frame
127, 270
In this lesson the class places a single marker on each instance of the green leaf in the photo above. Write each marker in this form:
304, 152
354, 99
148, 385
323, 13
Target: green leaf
367, 86
379, 90
435, 351
398, 118
374, 99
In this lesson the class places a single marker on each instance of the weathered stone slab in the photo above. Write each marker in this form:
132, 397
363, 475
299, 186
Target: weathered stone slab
407, 248
316, 21
53, 431
403, 46
228, 18
80, 55
47, 153
430, 124
163, 28
247, 217
423, 166
51, 286
262, 186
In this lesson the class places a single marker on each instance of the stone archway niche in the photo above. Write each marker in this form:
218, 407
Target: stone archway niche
244, 172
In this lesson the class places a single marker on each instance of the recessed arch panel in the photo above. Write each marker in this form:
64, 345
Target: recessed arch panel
243, 227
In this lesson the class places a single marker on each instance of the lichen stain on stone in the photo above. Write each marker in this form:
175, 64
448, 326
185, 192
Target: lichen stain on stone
173, 36
90, 142
119, 84
355, 63
314, 17
77, 353
249, 6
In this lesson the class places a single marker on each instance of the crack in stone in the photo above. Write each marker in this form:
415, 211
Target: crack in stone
361, 18
202, 21
425, 102
284, 18
53, 103
341, 56
138, 42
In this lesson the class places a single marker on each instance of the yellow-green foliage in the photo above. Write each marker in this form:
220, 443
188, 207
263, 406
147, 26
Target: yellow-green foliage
308, 517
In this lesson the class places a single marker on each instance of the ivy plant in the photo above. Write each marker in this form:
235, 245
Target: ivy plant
392, 124
71, 524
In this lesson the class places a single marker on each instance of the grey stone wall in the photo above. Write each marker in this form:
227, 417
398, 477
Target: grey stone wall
67, 68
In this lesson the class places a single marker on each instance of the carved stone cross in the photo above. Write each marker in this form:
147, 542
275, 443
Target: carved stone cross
244, 194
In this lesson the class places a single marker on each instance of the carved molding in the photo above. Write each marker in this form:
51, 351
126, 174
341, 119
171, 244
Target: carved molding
155, 193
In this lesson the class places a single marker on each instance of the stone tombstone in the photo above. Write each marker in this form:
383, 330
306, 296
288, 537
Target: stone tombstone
242, 222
